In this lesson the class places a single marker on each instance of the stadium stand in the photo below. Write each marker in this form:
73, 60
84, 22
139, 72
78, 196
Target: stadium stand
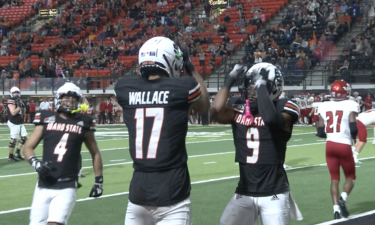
98, 41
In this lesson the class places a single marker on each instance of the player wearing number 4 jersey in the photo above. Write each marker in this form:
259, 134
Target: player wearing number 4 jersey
62, 133
156, 107
338, 123
261, 131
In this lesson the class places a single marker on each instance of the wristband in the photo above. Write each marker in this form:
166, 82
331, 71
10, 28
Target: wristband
229, 82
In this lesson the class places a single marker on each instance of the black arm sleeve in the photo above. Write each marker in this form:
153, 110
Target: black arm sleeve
353, 129
267, 109
321, 132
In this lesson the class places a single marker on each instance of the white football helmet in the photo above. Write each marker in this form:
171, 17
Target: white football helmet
275, 80
68, 89
15, 90
160, 53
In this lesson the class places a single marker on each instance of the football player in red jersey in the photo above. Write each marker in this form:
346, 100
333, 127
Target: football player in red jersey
337, 122
262, 125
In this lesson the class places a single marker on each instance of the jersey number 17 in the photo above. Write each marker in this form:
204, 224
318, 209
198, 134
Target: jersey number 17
140, 114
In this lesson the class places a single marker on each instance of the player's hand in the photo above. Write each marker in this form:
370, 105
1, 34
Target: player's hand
41, 168
189, 67
97, 189
237, 71
20, 103
261, 78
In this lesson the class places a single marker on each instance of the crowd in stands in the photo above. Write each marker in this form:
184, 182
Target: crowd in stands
307, 33
358, 52
93, 35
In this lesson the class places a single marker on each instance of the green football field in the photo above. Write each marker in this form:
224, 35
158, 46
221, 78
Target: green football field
213, 172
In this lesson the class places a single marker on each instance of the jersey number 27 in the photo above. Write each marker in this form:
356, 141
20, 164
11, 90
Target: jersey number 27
152, 148
334, 120
252, 137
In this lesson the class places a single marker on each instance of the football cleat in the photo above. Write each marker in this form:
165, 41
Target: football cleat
19, 157
344, 210
12, 159
81, 175
336, 215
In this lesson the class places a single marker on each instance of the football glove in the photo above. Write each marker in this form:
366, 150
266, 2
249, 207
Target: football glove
261, 78
189, 67
97, 189
40, 167
237, 71
20, 103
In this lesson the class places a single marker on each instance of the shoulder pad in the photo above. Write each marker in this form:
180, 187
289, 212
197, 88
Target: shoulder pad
44, 117
237, 104
87, 122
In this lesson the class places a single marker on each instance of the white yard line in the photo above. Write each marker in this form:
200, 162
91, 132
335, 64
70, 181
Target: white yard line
349, 218
208, 181
209, 162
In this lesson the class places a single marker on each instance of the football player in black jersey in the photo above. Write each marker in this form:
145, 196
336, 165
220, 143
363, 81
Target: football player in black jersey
63, 133
156, 106
15, 124
262, 125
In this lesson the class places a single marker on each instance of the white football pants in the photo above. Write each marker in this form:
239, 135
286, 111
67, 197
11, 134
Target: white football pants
177, 214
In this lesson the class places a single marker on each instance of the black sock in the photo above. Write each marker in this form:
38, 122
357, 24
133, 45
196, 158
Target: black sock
11, 155
18, 151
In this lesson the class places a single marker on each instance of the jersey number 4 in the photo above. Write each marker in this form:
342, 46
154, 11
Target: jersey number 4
252, 137
60, 148
140, 114
332, 120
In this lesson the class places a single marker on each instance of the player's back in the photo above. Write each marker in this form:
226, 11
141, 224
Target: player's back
336, 119
62, 142
156, 114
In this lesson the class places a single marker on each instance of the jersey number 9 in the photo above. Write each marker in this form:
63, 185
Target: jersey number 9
252, 137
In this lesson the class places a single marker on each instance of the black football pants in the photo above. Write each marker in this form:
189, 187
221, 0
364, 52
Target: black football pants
102, 117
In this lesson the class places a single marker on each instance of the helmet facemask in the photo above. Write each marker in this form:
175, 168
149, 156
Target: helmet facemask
68, 103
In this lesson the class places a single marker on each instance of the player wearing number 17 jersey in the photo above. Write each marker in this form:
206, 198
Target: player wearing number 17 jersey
263, 189
63, 133
337, 122
156, 107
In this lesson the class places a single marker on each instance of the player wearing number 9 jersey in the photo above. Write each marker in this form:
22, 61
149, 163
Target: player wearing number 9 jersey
263, 189
156, 107
63, 133
337, 122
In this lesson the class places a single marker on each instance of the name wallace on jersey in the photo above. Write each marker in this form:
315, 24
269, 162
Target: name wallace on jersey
148, 97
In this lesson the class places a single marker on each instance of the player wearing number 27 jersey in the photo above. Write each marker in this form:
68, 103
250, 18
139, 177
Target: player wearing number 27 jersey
156, 107
261, 130
338, 123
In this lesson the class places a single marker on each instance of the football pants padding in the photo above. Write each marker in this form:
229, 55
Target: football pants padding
177, 214
244, 210
52, 205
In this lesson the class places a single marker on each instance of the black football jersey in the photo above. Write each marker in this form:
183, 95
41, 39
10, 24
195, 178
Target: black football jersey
16, 119
156, 114
260, 150
62, 142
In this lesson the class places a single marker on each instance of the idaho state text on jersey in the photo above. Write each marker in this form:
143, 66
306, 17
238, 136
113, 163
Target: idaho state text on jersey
71, 128
240, 118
